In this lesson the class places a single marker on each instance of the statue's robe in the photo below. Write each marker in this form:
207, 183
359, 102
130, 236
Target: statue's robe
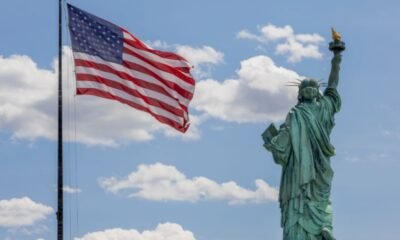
303, 148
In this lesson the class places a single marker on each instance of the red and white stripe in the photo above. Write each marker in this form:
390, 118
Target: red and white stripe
152, 81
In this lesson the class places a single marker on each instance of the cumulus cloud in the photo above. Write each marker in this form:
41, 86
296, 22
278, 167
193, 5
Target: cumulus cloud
159, 182
28, 103
203, 59
258, 94
25, 95
158, 44
164, 231
71, 190
271, 32
245, 34
197, 56
297, 50
294, 46
22, 212
309, 38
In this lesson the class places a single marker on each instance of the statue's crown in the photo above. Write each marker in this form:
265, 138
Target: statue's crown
306, 82
309, 82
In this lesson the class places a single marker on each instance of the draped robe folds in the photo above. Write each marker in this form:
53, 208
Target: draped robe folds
303, 148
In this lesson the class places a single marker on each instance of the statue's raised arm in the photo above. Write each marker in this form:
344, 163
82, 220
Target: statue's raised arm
336, 46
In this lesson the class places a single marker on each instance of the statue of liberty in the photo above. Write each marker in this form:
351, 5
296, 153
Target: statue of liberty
302, 147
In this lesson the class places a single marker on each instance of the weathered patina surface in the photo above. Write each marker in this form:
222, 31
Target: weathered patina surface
303, 148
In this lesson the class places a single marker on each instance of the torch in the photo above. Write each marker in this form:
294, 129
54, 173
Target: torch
336, 46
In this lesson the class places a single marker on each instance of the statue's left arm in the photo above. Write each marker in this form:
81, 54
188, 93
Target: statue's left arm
280, 144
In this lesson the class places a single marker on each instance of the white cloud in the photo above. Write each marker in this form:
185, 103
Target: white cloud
244, 34
159, 44
294, 46
24, 98
28, 104
71, 190
159, 182
22, 212
258, 94
272, 32
202, 58
297, 50
309, 38
197, 56
37, 229
164, 231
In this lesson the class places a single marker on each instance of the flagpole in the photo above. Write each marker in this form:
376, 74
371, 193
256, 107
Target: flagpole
60, 212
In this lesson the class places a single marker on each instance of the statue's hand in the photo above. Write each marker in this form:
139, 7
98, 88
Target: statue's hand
282, 140
337, 58
268, 146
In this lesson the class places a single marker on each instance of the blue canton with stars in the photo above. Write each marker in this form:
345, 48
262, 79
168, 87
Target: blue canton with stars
95, 36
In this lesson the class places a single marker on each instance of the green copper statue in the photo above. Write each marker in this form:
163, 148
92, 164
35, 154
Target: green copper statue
302, 147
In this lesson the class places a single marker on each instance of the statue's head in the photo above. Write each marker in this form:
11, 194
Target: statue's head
308, 90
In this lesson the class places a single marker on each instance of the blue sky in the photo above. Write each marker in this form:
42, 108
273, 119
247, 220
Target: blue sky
129, 176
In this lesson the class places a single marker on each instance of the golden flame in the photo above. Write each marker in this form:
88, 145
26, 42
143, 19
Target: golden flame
335, 35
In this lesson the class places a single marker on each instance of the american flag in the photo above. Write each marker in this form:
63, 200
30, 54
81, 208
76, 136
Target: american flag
112, 63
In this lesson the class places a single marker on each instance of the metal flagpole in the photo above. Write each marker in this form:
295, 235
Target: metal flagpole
60, 214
